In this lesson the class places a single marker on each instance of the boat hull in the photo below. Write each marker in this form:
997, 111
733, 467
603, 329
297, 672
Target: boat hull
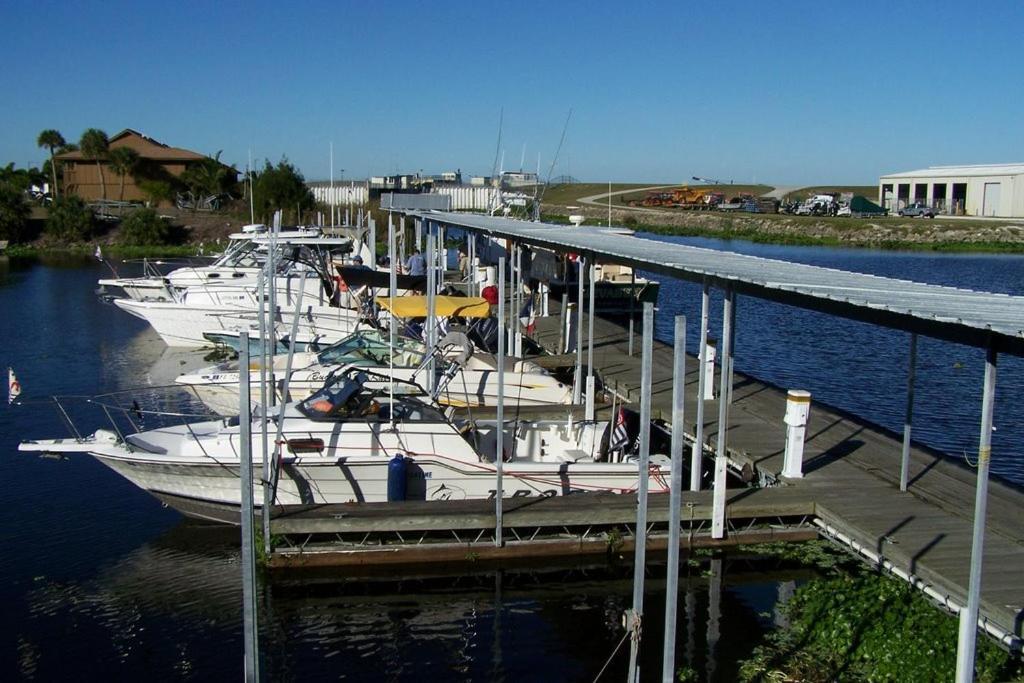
468, 388
183, 325
211, 491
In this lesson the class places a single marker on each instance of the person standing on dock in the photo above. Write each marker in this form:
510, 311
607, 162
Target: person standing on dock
416, 265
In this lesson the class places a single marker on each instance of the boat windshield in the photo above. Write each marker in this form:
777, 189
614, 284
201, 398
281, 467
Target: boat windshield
241, 254
373, 346
348, 397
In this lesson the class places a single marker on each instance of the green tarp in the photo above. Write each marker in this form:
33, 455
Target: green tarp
864, 206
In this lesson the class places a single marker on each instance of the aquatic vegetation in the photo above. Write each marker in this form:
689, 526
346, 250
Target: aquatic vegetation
866, 626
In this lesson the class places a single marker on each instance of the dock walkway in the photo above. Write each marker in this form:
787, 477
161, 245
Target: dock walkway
851, 472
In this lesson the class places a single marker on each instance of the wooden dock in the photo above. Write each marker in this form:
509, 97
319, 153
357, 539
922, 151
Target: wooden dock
852, 472
850, 493
417, 532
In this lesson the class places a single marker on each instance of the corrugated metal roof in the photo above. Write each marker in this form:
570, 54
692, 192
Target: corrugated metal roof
961, 171
960, 315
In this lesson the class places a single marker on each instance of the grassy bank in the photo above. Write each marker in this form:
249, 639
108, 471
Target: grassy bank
109, 250
895, 234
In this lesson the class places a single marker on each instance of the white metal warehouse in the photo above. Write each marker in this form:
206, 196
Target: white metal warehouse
981, 190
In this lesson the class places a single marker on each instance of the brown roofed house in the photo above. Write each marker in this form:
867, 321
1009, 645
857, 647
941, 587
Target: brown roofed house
157, 161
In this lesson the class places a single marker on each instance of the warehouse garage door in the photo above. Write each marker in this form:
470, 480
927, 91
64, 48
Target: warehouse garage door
990, 202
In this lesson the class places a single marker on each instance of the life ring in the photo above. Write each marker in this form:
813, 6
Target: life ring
339, 284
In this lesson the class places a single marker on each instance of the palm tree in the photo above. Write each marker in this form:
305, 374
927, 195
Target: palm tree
94, 145
123, 161
51, 139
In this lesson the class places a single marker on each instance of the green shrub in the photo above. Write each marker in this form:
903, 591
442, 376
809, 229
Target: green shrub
144, 226
14, 213
869, 627
70, 220
156, 191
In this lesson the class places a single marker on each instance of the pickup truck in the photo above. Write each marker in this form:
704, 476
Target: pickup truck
918, 210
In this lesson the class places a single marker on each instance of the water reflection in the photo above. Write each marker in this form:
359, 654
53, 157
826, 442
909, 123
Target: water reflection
174, 605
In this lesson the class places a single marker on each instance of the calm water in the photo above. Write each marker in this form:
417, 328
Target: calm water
100, 581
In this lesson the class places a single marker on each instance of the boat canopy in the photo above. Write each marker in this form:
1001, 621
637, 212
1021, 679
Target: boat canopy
444, 306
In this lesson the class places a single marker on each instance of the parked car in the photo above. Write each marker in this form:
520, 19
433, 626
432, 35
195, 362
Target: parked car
918, 210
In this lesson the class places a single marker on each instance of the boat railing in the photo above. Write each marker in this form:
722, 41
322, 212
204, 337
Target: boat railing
131, 411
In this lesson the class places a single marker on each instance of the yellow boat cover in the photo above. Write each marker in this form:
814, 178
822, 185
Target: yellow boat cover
444, 306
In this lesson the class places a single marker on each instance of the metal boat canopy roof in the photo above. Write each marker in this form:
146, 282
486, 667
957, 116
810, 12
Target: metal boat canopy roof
959, 315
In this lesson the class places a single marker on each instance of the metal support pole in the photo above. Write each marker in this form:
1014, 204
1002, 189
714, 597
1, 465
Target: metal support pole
675, 497
372, 242
590, 341
697, 457
249, 614
285, 384
969, 615
472, 265
721, 459
499, 453
909, 418
563, 318
632, 305
577, 379
392, 285
430, 336
640, 558
261, 285
729, 353
512, 298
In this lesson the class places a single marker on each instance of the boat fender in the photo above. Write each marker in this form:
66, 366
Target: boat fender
397, 469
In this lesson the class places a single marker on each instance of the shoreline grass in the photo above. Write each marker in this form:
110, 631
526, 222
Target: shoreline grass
749, 234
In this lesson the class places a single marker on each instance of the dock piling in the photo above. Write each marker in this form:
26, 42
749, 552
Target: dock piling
372, 245
909, 416
249, 625
261, 285
499, 454
675, 497
640, 557
590, 340
431, 336
563, 324
577, 378
697, 457
632, 303
969, 616
724, 391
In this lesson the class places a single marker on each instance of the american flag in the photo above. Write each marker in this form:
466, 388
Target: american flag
527, 318
13, 386
620, 433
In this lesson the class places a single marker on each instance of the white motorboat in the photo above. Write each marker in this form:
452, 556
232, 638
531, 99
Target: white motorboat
337, 446
233, 307
239, 264
473, 382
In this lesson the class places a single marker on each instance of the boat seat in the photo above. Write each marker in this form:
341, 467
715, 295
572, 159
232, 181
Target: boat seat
574, 455
137, 441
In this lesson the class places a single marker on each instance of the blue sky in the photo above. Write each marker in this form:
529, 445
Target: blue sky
778, 92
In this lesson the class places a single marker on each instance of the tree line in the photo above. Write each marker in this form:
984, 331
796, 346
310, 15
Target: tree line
272, 187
